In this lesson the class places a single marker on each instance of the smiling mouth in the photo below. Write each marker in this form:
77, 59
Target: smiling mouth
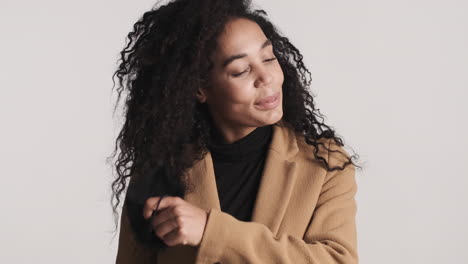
269, 99
269, 102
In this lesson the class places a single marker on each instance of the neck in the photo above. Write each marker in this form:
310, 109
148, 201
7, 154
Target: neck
229, 134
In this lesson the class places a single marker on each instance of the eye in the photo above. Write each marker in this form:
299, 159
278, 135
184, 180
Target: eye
239, 74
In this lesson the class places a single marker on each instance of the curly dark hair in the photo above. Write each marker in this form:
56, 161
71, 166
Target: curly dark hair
164, 62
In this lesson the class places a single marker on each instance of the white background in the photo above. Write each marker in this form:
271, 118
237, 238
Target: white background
390, 76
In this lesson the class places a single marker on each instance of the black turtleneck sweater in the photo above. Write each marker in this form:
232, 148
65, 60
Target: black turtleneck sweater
238, 169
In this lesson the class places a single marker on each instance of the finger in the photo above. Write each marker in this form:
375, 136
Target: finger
165, 228
165, 214
151, 205
175, 237
170, 201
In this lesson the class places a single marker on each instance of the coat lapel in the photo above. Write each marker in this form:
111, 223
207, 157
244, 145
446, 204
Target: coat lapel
205, 192
274, 192
278, 178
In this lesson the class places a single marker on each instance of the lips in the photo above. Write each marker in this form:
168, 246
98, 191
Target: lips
268, 99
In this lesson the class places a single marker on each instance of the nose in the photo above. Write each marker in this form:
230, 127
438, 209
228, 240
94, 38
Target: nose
264, 77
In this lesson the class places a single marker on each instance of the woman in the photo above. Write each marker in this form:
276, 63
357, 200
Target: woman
227, 159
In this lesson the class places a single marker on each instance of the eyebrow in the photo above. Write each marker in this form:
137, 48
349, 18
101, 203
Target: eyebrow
242, 55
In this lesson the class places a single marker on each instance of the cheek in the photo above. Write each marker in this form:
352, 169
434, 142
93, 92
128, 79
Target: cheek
279, 74
238, 92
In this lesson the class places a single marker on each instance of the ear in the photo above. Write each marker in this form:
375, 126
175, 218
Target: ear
201, 95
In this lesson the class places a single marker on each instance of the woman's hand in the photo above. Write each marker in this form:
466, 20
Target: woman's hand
177, 221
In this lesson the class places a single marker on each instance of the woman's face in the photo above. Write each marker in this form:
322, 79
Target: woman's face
246, 81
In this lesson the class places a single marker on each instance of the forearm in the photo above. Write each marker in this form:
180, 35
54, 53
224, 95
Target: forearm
228, 240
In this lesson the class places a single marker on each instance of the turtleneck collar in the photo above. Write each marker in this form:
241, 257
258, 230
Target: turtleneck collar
255, 143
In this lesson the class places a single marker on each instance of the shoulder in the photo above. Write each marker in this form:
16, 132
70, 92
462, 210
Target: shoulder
339, 180
327, 148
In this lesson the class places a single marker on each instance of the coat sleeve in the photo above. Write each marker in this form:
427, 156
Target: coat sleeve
329, 238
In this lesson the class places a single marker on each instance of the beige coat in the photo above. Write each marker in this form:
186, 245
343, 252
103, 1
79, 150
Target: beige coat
303, 214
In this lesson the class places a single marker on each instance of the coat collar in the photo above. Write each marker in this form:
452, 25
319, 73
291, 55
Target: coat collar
276, 184
284, 140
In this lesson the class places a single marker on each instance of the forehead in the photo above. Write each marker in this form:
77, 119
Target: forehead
239, 35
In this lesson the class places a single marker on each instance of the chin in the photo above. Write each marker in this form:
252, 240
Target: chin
272, 117
278, 118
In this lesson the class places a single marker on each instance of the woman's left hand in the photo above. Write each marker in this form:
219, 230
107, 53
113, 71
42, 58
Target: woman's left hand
177, 221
